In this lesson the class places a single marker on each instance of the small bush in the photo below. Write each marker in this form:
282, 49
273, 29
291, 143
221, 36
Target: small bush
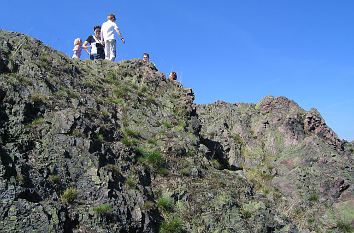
71, 94
155, 158
38, 121
104, 112
130, 182
311, 220
313, 197
247, 214
140, 151
115, 100
99, 137
151, 141
211, 134
54, 178
238, 140
70, 195
132, 133
129, 142
344, 227
38, 97
113, 168
190, 153
185, 171
162, 171
148, 205
175, 225
103, 209
165, 204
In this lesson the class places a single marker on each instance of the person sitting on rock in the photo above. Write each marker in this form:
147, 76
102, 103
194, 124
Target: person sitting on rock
146, 57
173, 76
95, 42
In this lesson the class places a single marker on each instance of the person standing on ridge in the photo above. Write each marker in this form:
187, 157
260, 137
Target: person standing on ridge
97, 51
108, 39
78, 48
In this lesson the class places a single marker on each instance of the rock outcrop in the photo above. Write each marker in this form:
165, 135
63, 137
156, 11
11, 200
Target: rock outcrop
97, 146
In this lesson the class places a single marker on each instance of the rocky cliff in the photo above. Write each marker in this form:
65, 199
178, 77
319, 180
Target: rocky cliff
97, 146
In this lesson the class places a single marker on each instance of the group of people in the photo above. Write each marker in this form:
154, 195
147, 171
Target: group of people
102, 43
172, 75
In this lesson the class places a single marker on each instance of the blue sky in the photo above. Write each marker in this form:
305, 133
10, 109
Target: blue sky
230, 50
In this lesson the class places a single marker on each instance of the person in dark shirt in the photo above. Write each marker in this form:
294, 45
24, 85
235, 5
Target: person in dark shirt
97, 51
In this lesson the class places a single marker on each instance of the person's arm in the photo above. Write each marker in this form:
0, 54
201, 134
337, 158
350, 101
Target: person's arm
85, 47
86, 50
121, 37
102, 40
76, 48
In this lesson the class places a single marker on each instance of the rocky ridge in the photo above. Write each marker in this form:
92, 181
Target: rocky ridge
97, 146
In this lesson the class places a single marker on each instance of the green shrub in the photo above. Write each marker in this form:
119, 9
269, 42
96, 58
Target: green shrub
99, 137
115, 100
148, 205
238, 140
162, 171
247, 213
175, 225
38, 121
130, 182
132, 133
311, 220
128, 142
313, 197
165, 204
141, 159
70, 195
54, 178
103, 209
155, 158
190, 153
140, 151
344, 227
38, 97
211, 134
185, 171
72, 95
104, 112
151, 141
113, 168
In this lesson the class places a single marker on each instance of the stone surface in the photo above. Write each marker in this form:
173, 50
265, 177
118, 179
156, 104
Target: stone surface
97, 146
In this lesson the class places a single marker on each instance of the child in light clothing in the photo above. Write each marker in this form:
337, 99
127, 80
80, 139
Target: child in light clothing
108, 38
78, 48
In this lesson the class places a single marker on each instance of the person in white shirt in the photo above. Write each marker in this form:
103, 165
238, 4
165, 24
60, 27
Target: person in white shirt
108, 39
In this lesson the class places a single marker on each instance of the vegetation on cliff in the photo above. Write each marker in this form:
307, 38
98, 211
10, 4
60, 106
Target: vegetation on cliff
97, 146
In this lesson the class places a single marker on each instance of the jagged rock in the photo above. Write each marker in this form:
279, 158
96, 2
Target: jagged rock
97, 146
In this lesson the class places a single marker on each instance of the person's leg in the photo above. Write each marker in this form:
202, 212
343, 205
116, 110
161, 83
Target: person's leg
107, 49
112, 50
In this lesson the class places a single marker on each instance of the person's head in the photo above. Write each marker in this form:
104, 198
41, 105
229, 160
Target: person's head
146, 57
77, 41
111, 17
172, 75
97, 29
